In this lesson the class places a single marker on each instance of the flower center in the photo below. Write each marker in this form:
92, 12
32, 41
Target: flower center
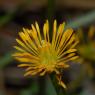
47, 53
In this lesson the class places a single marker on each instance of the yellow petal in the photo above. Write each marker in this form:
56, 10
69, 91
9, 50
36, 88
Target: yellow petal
62, 65
54, 32
63, 85
91, 32
64, 41
23, 45
35, 36
60, 82
67, 52
67, 57
19, 49
29, 60
38, 31
23, 65
59, 35
43, 73
46, 31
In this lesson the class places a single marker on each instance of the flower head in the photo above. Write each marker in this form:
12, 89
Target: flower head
86, 47
40, 55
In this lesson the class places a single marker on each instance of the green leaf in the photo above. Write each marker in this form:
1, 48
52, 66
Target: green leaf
50, 89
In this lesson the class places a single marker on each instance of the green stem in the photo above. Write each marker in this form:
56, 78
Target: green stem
50, 14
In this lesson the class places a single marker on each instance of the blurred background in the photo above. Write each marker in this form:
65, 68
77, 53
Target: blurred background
78, 14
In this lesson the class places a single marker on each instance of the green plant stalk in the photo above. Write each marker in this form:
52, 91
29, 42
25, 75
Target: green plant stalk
50, 14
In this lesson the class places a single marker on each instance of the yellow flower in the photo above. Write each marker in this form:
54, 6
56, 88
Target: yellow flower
40, 55
86, 49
